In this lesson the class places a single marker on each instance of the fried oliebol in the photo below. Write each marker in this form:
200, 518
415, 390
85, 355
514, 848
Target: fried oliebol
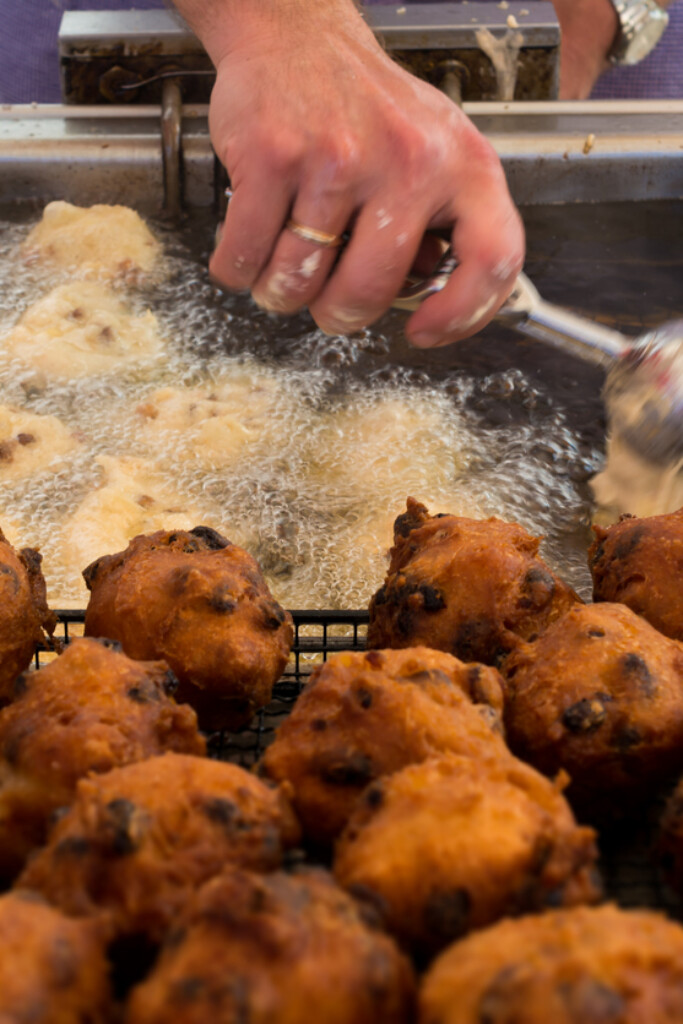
137, 841
589, 965
440, 849
24, 614
639, 563
201, 603
53, 970
90, 710
600, 694
279, 949
366, 715
469, 587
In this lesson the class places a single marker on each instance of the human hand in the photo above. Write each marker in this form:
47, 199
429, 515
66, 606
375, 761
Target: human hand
589, 28
312, 120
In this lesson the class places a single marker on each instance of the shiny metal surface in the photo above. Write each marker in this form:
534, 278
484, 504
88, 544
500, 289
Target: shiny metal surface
81, 152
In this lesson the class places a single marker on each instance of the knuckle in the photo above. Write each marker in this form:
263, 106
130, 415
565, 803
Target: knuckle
341, 162
280, 152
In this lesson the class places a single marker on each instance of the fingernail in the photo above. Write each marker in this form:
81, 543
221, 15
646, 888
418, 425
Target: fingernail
424, 340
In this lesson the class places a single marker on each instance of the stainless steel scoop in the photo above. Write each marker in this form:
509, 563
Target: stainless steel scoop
644, 387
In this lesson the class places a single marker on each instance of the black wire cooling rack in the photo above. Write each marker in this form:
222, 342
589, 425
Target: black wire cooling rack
628, 869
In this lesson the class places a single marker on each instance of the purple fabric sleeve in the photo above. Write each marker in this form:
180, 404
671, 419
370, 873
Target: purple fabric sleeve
29, 68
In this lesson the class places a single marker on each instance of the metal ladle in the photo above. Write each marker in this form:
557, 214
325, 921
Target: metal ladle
643, 391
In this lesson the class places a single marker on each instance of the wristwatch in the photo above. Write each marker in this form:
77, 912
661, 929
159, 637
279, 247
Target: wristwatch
641, 26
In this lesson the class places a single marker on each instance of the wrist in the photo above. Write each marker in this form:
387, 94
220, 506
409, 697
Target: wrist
590, 25
228, 27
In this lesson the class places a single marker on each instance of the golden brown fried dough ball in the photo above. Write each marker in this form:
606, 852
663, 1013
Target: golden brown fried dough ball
449, 845
90, 710
639, 563
275, 950
201, 603
53, 969
600, 694
24, 614
367, 715
589, 965
464, 586
137, 841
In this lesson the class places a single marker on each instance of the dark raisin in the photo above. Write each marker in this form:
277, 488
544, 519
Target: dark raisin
590, 1000
626, 737
495, 999
221, 811
120, 814
375, 659
475, 639
25, 439
273, 615
6, 451
446, 914
318, 725
212, 538
537, 588
11, 577
585, 716
111, 645
73, 846
20, 685
354, 769
145, 693
635, 668
427, 675
409, 521
628, 542
364, 698
221, 601
374, 797
596, 632
170, 682
432, 599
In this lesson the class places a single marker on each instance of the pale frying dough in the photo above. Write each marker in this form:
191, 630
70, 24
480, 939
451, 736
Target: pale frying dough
629, 483
81, 329
131, 499
30, 443
12, 531
215, 422
385, 449
100, 241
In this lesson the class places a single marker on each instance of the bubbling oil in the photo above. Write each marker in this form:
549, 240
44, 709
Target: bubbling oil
320, 475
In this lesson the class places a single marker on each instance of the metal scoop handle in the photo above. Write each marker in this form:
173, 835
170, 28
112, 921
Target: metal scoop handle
525, 311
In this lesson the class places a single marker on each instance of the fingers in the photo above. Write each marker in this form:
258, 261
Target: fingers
372, 269
488, 239
298, 268
253, 223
